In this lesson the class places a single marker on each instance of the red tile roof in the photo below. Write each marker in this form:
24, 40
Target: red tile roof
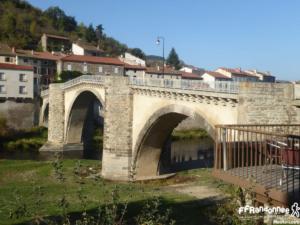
40, 55
8, 66
167, 70
237, 71
93, 59
134, 67
217, 75
186, 75
56, 36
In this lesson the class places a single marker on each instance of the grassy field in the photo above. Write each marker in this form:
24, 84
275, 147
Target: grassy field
30, 190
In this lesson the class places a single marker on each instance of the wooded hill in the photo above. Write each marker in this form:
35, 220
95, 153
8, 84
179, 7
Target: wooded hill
21, 25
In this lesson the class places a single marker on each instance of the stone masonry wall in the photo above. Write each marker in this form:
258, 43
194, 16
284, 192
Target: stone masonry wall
20, 115
117, 144
267, 103
56, 114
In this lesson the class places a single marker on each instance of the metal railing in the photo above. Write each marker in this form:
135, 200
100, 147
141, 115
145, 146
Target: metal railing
268, 155
96, 79
217, 86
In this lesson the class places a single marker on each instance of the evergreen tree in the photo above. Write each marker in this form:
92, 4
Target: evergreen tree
173, 59
138, 53
90, 34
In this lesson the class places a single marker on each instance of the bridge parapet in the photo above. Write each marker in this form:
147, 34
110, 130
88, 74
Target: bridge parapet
91, 79
194, 85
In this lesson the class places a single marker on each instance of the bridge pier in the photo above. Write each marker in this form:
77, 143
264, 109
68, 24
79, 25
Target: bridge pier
55, 141
117, 143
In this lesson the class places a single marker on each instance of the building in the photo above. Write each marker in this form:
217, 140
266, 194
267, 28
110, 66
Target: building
7, 54
82, 48
44, 64
192, 69
52, 42
159, 72
262, 76
190, 76
91, 65
212, 76
135, 71
16, 81
237, 74
132, 60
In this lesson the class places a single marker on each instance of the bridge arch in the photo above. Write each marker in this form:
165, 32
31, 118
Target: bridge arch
153, 136
80, 124
44, 113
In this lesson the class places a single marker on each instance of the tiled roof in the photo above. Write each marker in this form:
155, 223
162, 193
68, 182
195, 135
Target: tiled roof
190, 76
5, 50
167, 70
40, 55
134, 67
237, 71
93, 59
56, 36
217, 75
88, 46
14, 67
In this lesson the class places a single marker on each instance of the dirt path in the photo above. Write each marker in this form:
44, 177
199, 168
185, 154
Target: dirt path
205, 194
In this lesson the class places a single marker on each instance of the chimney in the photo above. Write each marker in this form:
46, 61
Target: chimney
157, 67
13, 49
32, 52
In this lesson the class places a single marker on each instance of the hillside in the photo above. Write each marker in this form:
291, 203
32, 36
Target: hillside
21, 25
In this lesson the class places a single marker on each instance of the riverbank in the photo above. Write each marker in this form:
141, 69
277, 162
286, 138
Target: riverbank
31, 189
189, 134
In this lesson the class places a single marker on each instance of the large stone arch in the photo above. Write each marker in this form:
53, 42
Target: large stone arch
77, 114
155, 132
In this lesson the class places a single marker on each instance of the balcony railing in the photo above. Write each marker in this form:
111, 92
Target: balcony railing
265, 157
195, 85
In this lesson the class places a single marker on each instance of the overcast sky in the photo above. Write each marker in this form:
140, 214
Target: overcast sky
253, 34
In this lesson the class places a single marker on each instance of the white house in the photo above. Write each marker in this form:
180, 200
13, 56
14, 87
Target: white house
211, 76
16, 81
81, 48
132, 60
237, 74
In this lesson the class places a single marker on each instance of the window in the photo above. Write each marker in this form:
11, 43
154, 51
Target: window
100, 69
7, 59
22, 90
25, 60
35, 70
85, 68
69, 67
2, 76
2, 89
23, 77
116, 70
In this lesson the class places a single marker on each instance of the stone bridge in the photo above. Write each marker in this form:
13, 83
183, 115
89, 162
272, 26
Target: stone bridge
140, 114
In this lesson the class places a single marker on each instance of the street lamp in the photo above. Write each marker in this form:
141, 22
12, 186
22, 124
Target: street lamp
158, 40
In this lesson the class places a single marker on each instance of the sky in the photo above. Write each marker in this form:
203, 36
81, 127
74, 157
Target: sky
247, 34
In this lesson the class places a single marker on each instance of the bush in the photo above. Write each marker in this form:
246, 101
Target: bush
67, 75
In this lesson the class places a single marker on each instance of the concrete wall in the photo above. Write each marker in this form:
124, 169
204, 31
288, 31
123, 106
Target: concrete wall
267, 103
20, 115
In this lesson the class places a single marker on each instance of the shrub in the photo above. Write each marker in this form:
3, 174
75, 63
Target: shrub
67, 75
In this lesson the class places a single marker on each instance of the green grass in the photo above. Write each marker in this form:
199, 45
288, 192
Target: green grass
20, 178
189, 134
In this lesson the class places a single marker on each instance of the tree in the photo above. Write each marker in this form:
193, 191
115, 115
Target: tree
173, 59
138, 53
99, 32
90, 34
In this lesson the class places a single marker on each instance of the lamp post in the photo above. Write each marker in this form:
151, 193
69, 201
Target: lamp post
158, 40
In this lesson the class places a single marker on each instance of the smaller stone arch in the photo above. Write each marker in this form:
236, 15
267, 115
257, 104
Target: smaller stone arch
44, 113
154, 134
